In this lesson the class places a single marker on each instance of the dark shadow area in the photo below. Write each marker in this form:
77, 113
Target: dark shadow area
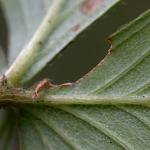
83, 53
3, 31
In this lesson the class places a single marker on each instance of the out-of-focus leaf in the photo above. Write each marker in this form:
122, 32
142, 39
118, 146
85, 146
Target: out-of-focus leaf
3, 62
8, 130
24, 18
3, 31
123, 74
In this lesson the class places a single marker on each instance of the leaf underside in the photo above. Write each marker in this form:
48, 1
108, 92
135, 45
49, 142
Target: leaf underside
75, 16
124, 72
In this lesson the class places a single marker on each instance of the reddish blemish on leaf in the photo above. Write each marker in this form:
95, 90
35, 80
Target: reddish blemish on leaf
44, 84
75, 28
90, 5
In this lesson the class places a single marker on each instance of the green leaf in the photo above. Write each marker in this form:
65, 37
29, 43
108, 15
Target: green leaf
23, 18
66, 22
123, 74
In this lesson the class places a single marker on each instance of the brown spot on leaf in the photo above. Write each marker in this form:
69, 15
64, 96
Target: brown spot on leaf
90, 5
75, 28
40, 43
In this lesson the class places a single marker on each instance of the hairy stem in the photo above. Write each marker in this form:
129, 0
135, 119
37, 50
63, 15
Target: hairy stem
28, 55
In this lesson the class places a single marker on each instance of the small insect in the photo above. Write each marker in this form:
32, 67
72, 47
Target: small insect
44, 84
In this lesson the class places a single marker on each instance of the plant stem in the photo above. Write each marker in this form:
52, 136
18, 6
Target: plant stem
28, 55
22, 96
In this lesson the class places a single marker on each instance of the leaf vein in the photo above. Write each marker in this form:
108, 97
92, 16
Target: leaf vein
100, 127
